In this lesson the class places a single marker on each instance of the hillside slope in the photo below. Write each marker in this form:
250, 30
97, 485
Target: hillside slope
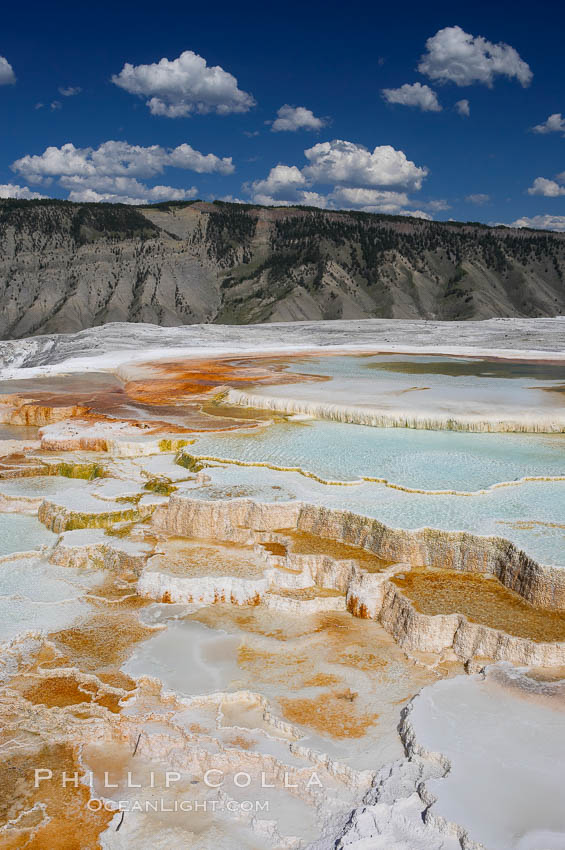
64, 266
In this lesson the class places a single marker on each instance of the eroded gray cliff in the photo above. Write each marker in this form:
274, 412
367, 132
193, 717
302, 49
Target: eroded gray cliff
65, 267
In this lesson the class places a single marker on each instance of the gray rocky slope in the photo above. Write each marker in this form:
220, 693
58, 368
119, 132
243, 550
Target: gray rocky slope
65, 267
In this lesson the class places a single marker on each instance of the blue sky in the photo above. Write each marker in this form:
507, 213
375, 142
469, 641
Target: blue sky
377, 86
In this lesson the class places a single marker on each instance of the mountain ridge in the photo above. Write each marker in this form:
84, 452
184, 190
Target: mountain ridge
67, 266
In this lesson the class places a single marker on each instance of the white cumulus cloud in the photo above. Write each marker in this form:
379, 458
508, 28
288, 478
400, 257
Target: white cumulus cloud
414, 94
547, 188
541, 222
283, 183
117, 159
315, 199
184, 156
176, 88
340, 161
111, 172
292, 118
456, 56
291, 192
285, 186
417, 214
554, 124
303, 198
375, 181
140, 194
463, 108
7, 75
11, 190
231, 199
369, 200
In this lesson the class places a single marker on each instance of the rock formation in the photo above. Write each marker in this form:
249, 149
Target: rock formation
64, 266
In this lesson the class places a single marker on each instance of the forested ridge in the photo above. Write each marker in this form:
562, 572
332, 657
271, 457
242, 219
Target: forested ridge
66, 266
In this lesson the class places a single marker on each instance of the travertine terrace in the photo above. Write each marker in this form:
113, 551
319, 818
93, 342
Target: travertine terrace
247, 575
